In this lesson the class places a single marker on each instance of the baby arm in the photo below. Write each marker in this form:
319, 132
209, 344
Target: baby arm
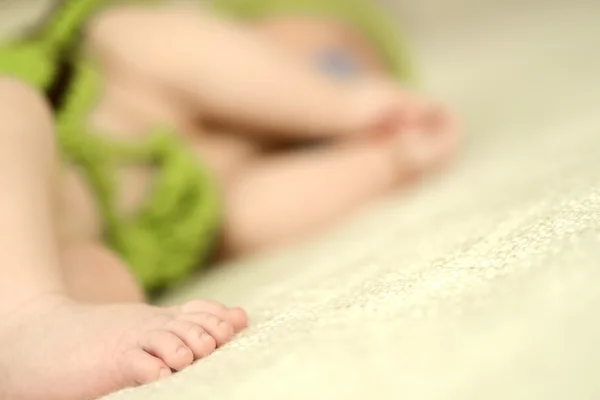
229, 72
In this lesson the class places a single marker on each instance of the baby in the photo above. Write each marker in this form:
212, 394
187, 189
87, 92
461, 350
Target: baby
296, 119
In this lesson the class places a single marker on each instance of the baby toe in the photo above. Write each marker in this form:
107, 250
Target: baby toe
205, 306
194, 336
169, 348
142, 368
413, 113
209, 342
221, 330
235, 316
448, 133
238, 318
415, 152
435, 119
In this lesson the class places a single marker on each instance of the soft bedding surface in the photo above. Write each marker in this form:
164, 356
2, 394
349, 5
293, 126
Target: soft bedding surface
481, 284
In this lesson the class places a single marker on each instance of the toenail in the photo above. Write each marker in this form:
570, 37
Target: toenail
206, 337
183, 351
164, 372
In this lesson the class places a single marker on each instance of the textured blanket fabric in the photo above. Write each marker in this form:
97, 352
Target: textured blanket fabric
482, 284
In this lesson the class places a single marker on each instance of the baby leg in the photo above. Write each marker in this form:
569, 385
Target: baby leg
92, 273
95, 274
285, 198
229, 72
29, 260
100, 348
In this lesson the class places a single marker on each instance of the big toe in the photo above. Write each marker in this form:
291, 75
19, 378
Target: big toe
141, 368
165, 345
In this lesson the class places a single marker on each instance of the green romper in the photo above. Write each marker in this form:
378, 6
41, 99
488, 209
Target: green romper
174, 231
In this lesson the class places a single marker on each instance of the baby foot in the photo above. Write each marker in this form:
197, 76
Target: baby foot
424, 134
382, 108
59, 349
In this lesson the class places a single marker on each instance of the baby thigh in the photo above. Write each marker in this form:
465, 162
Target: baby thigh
91, 271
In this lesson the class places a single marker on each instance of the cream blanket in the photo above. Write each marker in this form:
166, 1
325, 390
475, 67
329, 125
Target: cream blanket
482, 284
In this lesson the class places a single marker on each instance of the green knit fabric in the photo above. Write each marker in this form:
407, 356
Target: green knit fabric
364, 15
174, 230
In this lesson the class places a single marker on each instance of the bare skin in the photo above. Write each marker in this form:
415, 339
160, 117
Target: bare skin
99, 348
266, 59
381, 135
56, 300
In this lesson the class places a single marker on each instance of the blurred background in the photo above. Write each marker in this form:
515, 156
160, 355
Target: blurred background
483, 284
